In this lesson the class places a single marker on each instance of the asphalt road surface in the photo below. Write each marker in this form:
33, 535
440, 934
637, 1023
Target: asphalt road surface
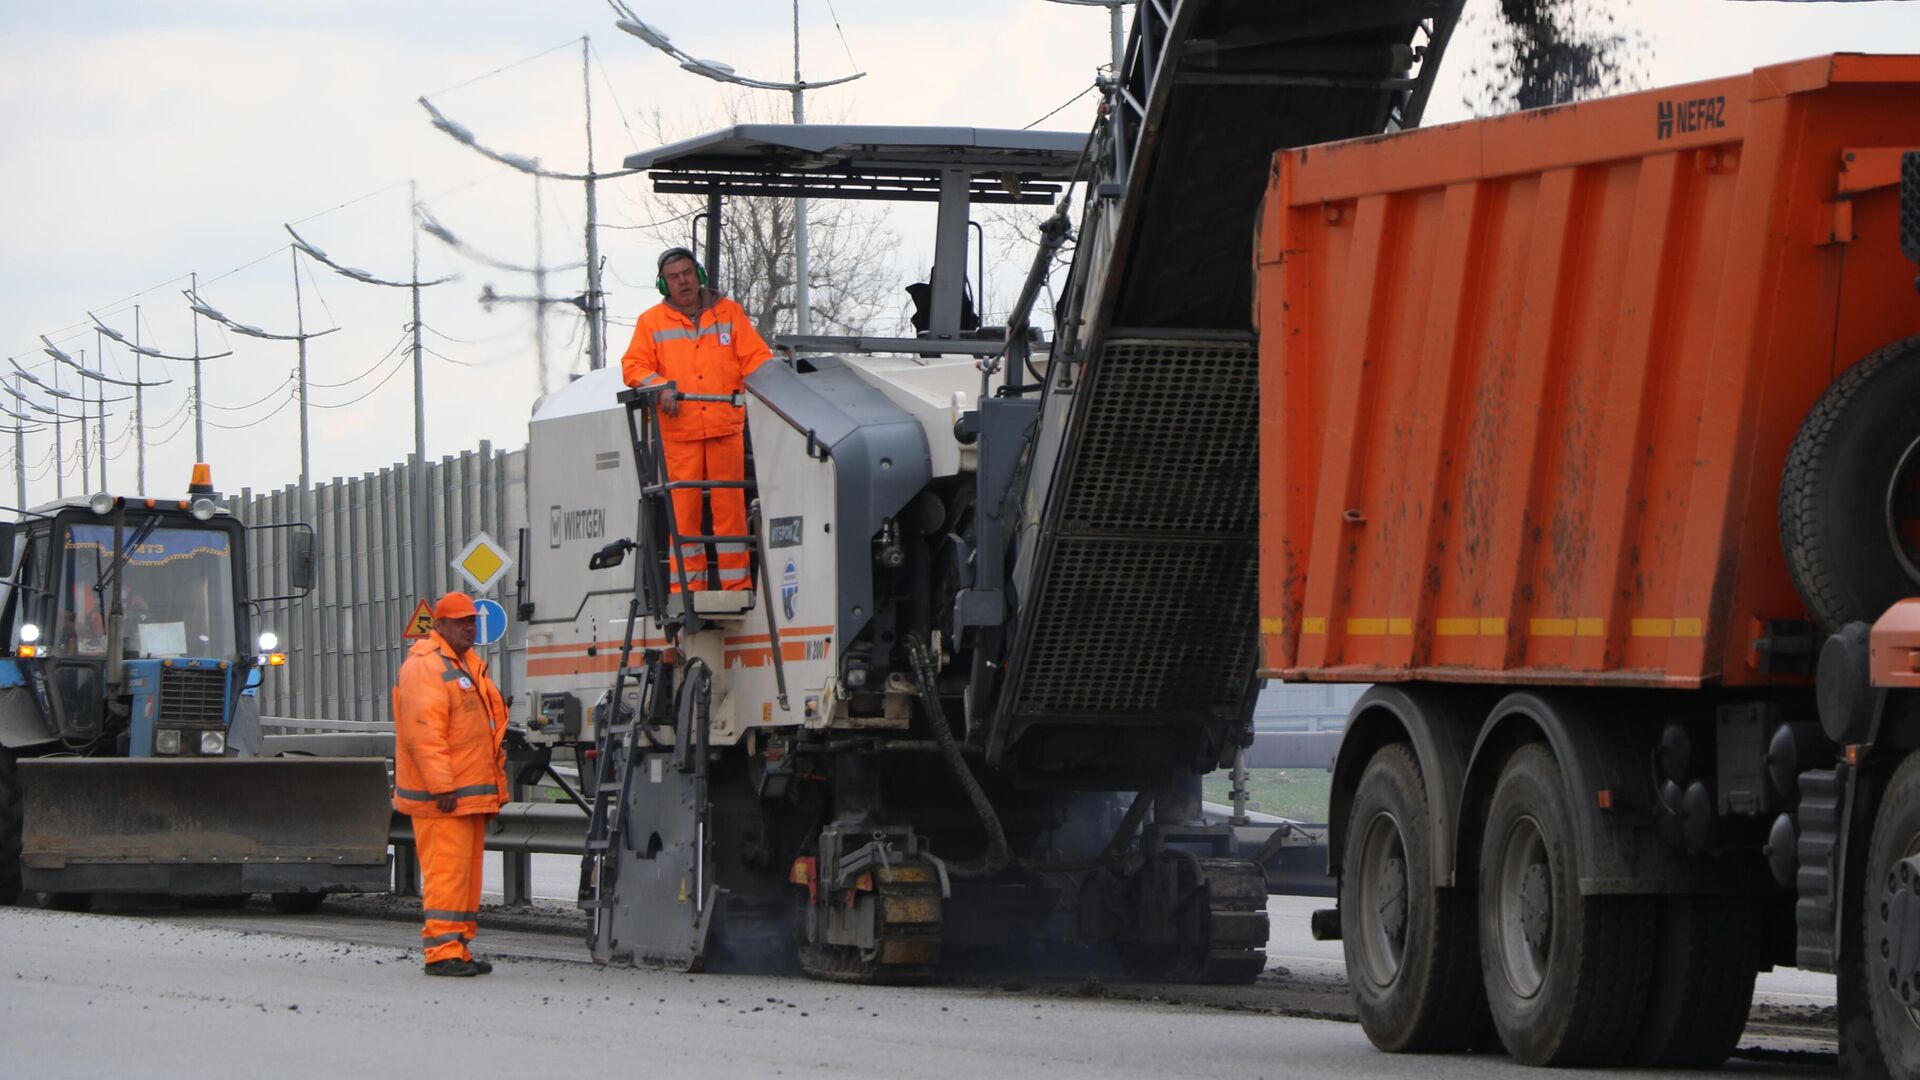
155, 996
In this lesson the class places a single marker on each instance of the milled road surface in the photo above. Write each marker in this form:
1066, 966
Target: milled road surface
190, 995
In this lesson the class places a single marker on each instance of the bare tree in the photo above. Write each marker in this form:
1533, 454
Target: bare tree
850, 257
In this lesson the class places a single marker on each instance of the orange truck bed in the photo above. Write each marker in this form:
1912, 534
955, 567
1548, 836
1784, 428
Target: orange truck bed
1528, 383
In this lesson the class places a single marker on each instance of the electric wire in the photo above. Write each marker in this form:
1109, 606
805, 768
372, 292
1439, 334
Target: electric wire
504, 67
835, 16
252, 423
388, 377
1091, 87
258, 401
349, 202
401, 340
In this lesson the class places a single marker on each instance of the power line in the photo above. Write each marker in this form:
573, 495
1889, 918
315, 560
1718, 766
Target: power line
397, 368
504, 67
375, 367
1090, 89
350, 202
252, 423
258, 401
835, 16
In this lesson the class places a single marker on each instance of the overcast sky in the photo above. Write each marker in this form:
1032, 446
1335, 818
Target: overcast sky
146, 140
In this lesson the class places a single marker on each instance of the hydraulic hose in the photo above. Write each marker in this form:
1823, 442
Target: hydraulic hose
997, 856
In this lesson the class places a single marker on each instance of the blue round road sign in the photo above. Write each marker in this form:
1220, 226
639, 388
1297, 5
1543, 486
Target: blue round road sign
491, 626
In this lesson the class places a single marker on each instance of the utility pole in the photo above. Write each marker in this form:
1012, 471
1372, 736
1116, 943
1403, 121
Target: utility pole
592, 303
100, 406
201, 307
86, 460
422, 508
718, 72
19, 455
139, 413
802, 286
422, 496
300, 332
199, 426
139, 351
596, 328
539, 286
59, 457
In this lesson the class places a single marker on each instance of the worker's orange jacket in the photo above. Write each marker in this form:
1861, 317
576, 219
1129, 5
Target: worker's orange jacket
448, 723
707, 354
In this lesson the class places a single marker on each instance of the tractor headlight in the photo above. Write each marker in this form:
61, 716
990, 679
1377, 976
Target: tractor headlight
166, 741
203, 509
269, 641
29, 633
101, 503
213, 743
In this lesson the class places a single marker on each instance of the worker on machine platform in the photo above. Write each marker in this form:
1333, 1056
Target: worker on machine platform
450, 776
700, 342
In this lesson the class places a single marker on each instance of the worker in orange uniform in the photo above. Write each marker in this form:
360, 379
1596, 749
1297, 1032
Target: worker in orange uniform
702, 343
450, 775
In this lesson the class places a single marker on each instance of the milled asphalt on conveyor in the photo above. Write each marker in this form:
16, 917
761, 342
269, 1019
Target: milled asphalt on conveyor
190, 996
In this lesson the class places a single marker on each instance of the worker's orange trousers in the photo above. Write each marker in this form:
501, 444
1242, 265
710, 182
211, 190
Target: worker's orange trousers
450, 850
724, 458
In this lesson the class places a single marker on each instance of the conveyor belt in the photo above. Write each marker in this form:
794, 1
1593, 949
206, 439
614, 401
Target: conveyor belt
1133, 643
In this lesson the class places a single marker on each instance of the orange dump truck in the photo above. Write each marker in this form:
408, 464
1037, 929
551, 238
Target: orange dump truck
1583, 430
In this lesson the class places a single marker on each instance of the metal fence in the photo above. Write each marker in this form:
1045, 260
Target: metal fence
344, 642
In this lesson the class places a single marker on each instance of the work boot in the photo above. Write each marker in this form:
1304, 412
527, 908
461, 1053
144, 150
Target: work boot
481, 967
456, 968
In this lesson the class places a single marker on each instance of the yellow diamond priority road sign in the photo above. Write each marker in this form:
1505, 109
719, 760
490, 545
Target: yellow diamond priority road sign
482, 562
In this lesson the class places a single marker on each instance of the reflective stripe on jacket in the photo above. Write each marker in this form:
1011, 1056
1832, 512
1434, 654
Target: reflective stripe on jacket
448, 723
708, 354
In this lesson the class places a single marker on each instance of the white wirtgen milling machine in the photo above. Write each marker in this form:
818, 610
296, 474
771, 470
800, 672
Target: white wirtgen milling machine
1005, 608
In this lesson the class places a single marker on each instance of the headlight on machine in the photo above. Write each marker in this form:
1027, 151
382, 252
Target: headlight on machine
269, 641
166, 741
213, 743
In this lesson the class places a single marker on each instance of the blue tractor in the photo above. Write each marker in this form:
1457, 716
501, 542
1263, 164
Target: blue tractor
129, 731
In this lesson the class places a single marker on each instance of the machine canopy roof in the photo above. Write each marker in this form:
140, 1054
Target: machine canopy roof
863, 161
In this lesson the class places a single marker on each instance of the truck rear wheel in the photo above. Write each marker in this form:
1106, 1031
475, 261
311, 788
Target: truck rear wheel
1891, 901
9, 830
1850, 492
1704, 966
1409, 945
1566, 974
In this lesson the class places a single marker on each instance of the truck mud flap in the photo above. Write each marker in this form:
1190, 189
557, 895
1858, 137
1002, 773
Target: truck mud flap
208, 827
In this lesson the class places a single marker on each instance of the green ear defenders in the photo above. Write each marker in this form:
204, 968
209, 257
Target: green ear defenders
667, 256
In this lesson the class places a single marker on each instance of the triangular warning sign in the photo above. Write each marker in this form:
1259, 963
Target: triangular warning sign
420, 624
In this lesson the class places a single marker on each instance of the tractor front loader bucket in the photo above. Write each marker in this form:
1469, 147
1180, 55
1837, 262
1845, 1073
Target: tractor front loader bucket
211, 827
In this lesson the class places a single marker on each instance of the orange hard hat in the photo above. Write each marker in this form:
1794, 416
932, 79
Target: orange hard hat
455, 605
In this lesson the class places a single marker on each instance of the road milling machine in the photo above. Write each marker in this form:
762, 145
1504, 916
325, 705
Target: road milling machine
130, 744
1004, 614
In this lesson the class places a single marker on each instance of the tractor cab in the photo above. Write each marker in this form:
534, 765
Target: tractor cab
129, 619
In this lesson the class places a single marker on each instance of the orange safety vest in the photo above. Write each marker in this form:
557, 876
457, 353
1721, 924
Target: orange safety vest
707, 354
448, 723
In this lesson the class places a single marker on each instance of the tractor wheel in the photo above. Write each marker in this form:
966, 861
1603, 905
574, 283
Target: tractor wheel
1566, 974
10, 829
1850, 493
1891, 901
1411, 957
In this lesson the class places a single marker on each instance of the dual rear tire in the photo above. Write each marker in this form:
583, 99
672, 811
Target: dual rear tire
1563, 978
